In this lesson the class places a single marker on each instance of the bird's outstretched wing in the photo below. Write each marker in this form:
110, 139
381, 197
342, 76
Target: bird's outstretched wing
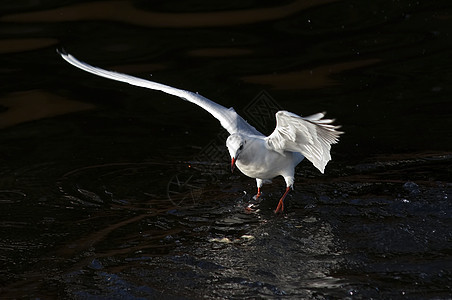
312, 136
228, 118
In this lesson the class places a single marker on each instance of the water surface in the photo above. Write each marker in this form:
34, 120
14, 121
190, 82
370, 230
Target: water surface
112, 191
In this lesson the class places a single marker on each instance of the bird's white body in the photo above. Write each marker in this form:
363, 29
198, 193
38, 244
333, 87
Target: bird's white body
258, 161
257, 156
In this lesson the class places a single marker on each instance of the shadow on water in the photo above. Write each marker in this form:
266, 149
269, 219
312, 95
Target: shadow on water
109, 191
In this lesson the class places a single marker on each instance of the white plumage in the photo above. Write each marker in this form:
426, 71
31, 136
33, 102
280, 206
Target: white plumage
255, 155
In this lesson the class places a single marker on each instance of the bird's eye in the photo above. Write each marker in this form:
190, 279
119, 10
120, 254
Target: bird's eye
241, 147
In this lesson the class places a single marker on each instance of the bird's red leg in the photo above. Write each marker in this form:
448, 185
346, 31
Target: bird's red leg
258, 193
280, 206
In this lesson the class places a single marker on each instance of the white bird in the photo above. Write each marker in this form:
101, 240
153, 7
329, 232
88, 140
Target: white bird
255, 155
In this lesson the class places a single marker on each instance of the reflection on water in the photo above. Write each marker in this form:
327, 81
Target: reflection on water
308, 79
109, 191
129, 13
19, 109
18, 45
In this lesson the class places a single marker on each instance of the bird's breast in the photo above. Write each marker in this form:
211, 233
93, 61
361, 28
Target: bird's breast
265, 164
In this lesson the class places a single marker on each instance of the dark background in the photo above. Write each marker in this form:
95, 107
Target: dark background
97, 198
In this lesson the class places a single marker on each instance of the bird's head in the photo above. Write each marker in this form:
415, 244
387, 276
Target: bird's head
235, 143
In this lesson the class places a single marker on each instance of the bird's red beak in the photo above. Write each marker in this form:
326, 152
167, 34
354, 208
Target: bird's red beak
232, 164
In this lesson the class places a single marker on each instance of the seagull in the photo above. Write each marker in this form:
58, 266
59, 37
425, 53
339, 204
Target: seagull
254, 154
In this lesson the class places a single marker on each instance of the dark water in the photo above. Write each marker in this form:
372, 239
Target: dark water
113, 192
